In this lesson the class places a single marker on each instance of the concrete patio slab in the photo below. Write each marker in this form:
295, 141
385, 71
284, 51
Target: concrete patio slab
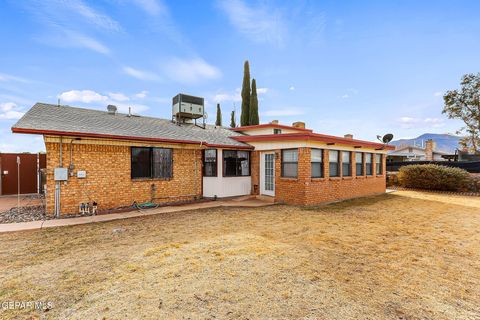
33, 225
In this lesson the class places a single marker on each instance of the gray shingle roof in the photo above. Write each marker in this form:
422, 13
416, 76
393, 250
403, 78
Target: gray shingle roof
48, 118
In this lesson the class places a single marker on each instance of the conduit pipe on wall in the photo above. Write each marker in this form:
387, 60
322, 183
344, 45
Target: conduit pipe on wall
57, 183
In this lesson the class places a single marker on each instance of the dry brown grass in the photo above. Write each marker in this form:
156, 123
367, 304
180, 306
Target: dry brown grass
405, 255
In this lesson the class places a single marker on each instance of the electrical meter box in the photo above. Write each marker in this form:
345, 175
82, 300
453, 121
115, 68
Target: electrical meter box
60, 174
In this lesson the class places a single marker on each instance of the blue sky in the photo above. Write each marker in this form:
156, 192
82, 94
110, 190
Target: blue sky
361, 67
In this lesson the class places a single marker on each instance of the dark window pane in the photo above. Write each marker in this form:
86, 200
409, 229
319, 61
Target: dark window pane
236, 163
317, 171
359, 169
141, 162
346, 163
229, 163
333, 163
210, 163
334, 169
359, 163
162, 163
317, 163
369, 165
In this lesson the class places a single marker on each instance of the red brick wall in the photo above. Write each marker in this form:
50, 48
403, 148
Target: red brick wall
108, 179
305, 190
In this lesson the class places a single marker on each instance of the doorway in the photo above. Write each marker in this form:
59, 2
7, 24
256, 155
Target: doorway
267, 173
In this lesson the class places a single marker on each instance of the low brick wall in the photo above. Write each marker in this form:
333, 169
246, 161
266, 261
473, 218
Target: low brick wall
305, 190
109, 181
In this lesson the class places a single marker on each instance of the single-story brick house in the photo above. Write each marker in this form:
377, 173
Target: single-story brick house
114, 159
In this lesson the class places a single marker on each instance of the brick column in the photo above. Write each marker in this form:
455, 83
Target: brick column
255, 171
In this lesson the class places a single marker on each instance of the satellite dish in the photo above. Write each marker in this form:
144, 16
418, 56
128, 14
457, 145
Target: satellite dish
387, 138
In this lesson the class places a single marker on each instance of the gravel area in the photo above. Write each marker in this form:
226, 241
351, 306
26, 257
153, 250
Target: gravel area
25, 214
31, 213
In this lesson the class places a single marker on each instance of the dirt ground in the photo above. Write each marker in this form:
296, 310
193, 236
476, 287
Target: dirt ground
406, 255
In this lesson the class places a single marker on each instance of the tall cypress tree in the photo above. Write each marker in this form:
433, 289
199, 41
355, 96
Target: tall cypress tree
254, 119
233, 124
245, 116
218, 122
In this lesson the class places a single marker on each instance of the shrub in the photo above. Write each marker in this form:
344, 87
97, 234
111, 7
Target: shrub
433, 177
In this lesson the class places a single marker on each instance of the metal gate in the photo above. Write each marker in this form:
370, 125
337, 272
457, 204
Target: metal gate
30, 176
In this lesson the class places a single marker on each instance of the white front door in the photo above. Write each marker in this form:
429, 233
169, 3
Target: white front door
267, 173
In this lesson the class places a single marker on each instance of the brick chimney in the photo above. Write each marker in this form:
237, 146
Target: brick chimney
348, 136
299, 124
429, 146
274, 122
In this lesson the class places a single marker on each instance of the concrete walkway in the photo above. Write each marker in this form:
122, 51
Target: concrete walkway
235, 202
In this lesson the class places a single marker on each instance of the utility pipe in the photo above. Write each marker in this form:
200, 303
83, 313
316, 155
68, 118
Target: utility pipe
57, 183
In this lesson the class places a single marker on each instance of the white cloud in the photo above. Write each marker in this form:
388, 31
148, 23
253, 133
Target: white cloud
84, 96
118, 96
89, 14
152, 7
411, 122
262, 90
141, 94
235, 96
140, 74
8, 111
435, 122
228, 97
260, 24
16, 143
345, 96
7, 106
7, 77
81, 40
438, 94
65, 38
285, 112
94, 99
66, 23
292, 88
71, 14
190, 71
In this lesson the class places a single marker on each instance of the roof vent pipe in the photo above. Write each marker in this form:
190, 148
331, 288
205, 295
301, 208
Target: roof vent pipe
348, 136
111, 109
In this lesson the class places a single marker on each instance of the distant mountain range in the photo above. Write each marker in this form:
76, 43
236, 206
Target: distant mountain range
443, 142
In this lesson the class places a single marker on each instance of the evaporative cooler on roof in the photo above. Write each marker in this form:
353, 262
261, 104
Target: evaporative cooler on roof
186, 108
